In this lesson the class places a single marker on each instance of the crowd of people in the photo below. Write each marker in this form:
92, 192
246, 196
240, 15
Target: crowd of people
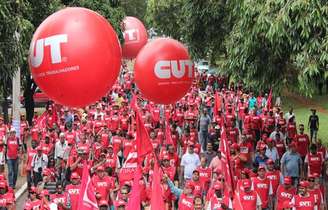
273, 163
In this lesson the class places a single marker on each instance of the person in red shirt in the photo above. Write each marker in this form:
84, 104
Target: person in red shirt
198, 187
291, 128
246, 150
103, 184
31, 151
304, 200
218, 200
263, 186
73, 190
316, 191
5, 195
12, 149
167, 168
285, 192
33, 202
313, 161
205, 174
302, 141
269, 123
256, 124
273, 175
249, 199
61, 198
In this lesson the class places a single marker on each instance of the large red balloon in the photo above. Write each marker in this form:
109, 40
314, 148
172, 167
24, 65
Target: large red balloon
75, 57
135, 37
163, 71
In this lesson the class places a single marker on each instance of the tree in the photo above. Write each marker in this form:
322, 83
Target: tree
279, 43
166, 17
134, 8
14, 33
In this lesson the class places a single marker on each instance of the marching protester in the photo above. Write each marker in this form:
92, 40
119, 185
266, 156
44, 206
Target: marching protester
217, 149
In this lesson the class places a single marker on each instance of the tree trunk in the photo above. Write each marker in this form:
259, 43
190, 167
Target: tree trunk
29, 100
5, 107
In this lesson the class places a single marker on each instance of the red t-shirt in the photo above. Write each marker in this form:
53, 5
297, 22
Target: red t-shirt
103, 185
263, 187
303, 142
30, 154
74, 192
315, 162
274, 177
205, 175
12, 147
284, 195
304, 203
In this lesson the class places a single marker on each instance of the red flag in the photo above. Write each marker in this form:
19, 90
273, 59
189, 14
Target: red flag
41, 121
87, 198
168, 134
129, 167
143, 143
217, 104
134, 199
236, 204
226, 167
157, 202
133, 103
269, 99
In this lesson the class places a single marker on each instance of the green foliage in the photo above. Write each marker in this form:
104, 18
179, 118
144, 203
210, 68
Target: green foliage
166, 17
107, 8
279, 43
14, 33
135, 8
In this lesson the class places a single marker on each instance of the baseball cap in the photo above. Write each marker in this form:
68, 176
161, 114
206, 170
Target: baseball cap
235, 146
39, 148
196, 170
190, 185
120, 203
75, 175
218, 186
247, 183
287, 180
304, 184
103, 203
261, 167
270, 161
269, 140
190, 143
100, 168
166, 157
12, 130
3, 184
45, 192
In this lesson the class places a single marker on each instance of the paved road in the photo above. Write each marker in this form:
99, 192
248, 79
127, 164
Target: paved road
20, 203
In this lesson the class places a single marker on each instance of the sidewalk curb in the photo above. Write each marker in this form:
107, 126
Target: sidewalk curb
21, 191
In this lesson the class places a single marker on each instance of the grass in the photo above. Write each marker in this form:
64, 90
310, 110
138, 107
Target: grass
302, 112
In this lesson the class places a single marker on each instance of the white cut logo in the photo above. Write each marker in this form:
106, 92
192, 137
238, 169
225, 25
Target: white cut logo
36, 55
178, 68
131, 35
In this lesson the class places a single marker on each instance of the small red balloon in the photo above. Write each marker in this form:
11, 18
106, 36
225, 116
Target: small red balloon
163, 71
135, 37
75, 57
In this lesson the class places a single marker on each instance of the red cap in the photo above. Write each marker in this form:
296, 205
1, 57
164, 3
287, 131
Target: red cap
110, 146
261, 167
75, 175
2, 177
166, 157
287, 180
3, 184
103, 203
218, 186
33, 189
247, 183
120, 203
235, 146
304, 184
46, 172
269, 140
270, 161
190, 185
262, 146
45, 192
314, 175
190, 143
100, 168
196, 170
39, 148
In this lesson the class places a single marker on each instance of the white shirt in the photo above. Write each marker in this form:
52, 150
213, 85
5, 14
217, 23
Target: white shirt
60, 149
190, 163
272, 153
39, 162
